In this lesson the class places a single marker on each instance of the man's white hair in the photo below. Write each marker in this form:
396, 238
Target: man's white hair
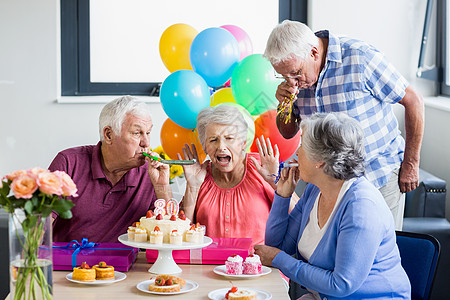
288, 40
113, 114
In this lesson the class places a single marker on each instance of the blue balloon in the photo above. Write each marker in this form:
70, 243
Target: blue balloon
183, 95
214, 53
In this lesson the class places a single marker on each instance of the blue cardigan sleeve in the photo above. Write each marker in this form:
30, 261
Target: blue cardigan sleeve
282, 228
355, 236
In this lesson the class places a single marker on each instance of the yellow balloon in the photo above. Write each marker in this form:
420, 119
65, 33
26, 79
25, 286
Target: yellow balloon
222, 96
174, 46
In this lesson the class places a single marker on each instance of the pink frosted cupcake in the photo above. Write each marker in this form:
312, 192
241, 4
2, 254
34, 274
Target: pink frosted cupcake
234, 265
252, 265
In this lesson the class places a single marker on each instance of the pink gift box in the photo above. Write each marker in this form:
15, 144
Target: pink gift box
118, 255
215, 254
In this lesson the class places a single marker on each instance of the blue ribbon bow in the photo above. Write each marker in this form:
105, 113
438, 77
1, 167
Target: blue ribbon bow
74, 244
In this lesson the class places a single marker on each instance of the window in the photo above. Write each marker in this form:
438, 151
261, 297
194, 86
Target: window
104, 43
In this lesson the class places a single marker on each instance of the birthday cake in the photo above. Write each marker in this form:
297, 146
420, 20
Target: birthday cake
166, 225
167, 218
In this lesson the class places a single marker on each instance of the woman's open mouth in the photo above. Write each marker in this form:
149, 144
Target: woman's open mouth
223, 160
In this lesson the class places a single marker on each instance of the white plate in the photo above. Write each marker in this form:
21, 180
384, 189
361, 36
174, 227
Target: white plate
118, 276
189, 286
220, 294
222, 270
146, 245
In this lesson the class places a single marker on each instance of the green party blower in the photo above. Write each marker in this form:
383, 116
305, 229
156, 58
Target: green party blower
171, 162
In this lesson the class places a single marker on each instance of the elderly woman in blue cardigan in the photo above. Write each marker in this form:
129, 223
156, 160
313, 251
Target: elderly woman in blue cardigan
341, 230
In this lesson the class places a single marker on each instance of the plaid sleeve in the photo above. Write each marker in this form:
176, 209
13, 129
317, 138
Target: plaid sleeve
382, 79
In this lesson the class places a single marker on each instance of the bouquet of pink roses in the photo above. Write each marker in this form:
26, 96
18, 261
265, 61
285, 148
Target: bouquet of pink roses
30, 196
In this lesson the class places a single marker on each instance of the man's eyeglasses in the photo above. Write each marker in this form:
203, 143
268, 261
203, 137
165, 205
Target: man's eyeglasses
299, 74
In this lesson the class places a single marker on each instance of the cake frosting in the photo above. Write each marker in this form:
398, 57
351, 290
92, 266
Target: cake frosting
252, 265
235, 258
166, 225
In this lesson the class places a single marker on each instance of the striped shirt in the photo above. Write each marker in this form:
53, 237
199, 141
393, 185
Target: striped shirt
357, 79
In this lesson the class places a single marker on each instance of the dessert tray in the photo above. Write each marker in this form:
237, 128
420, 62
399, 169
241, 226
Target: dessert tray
190, 286
220, 294
165, 263
118, 276
221, 270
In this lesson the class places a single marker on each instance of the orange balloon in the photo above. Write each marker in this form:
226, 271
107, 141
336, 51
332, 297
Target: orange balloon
173, 138
266, 125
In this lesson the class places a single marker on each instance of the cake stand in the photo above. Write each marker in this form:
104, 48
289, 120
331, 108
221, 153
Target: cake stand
165, 263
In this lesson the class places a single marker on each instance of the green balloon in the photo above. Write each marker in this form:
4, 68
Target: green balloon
253, 84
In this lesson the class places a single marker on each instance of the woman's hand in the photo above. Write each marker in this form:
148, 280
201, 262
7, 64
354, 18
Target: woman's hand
289, 178
268, 168
195, 174
266, 253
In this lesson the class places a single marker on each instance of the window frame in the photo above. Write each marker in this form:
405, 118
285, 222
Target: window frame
75, 51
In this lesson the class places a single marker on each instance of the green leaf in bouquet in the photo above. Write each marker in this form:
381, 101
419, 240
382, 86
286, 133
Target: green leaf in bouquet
4, 191
66, 215
61, 205
46, 210
29, 207
17, 202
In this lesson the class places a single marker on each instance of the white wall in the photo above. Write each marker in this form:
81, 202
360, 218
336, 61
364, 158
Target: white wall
33, 127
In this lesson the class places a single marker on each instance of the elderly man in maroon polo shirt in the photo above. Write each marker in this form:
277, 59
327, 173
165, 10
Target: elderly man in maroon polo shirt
116, 184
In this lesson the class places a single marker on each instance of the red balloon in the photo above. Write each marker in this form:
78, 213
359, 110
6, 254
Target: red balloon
173, 137
265, 125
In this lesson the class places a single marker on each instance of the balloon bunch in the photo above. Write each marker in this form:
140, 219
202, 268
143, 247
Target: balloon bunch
216, 67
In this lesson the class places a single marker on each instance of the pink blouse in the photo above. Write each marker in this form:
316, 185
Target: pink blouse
239, 212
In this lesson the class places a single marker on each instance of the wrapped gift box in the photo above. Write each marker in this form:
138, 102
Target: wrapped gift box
214, 254
118, 255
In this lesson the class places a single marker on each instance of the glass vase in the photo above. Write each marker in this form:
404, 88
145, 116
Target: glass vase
30, 256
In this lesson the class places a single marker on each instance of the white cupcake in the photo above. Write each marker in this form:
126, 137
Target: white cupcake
191, 236
176, 238
200, 232
140, 235
156, 236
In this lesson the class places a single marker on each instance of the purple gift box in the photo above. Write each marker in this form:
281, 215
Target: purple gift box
118, 255
215, 254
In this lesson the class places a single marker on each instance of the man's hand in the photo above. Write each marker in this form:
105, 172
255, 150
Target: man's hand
266, 253
284, 90
409, 177
158, 172
159, 176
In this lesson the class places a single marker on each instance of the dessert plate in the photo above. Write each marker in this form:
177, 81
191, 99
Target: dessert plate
118, 276
220, 294
190, 286
222, 270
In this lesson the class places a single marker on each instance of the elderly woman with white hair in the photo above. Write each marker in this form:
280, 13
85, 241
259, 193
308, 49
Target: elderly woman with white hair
341, 231
232, 192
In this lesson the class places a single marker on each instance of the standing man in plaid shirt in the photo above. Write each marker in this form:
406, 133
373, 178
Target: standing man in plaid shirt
327, 73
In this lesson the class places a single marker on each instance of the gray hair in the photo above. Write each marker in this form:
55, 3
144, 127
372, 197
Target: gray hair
113, 114
337, 140
223, 115
290, 39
